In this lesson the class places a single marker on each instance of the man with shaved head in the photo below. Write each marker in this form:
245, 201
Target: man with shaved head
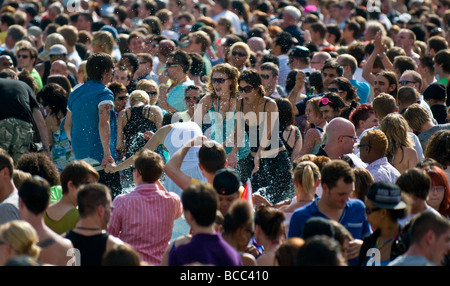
340, 140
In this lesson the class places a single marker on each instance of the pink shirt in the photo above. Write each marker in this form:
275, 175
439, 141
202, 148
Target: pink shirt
144, 219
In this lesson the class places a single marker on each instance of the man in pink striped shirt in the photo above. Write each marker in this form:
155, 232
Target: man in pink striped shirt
144, 218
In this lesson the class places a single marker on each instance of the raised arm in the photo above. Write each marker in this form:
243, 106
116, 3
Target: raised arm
173, 166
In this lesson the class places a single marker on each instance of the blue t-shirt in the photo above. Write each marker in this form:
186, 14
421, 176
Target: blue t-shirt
83, 103
353, 218
362, 89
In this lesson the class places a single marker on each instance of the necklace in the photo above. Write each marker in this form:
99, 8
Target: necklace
255, 106
89, 228
384, 243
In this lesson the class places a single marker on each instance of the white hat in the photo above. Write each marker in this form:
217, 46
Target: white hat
57, 49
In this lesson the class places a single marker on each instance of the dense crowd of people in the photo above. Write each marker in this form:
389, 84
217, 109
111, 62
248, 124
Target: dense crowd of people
269, 132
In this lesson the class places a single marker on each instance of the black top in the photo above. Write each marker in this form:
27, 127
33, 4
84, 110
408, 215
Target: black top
439, 113
18, 100
252, 136
91, 248
137, 124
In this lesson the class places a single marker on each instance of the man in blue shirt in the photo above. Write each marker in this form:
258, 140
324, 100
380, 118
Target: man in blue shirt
335, 204
91, 123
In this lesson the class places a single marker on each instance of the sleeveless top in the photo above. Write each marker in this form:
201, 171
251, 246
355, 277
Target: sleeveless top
61, 151
316, 147
219, 123
66, 223
285, 142
135, 127
91, 248
259, 134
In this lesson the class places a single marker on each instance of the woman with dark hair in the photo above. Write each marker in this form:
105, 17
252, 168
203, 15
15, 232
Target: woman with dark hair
347, 92
439, 194
289, 133
268, 163
53, 98
385, 206
269, 232
331, 105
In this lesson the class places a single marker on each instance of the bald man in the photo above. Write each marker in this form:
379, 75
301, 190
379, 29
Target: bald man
59, 67
340, 140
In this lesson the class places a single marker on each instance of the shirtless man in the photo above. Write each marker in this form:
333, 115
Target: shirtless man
34, 197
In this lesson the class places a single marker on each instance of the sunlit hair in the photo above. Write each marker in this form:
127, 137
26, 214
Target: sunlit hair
243, 46
396, 129
139, 96
314, 102
21, 236
232, 74
307, 174
438, 147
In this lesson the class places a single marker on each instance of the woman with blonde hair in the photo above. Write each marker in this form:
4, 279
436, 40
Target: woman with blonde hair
103, 42
239, 56
135, 120
18, 237
400, 152
314, 135
306, 179
151, 88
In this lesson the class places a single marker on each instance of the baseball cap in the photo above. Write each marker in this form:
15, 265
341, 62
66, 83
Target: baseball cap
226, 181
35, 31
386, 195
300, 52
436, 91
57, 49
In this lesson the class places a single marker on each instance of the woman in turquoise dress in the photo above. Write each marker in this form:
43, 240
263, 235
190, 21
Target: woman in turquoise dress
215, 112
53, 98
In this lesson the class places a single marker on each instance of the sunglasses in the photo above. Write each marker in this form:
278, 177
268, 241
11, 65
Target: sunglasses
265, 76
335, 90
57, 56
238, 54
152, 93
325, 101
218, 80
171, 65
23, 56
122, 98
371, 210
246, 89
191, 98
405, 82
